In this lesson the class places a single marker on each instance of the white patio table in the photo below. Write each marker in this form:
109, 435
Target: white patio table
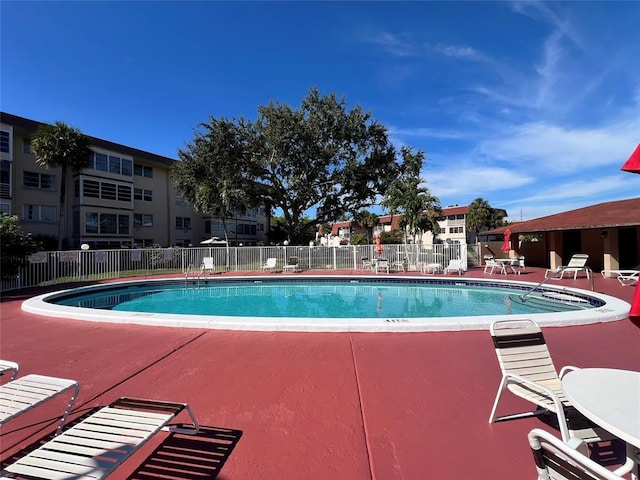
611, 399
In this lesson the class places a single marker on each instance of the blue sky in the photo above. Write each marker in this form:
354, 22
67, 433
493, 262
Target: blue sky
532, 106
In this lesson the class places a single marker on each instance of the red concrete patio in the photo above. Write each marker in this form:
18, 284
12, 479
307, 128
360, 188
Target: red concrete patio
311, 405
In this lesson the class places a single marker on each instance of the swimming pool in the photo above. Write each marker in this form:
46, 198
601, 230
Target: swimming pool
326, 303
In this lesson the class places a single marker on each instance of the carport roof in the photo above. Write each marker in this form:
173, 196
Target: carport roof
619, 213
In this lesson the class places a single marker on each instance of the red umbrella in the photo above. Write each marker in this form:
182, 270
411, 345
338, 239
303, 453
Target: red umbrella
506, 245
633, 163
379, 248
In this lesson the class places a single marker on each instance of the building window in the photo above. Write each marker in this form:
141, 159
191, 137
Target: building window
4, 141
141, 194
111, 164
182, 243
142, 171
5, 208
183, 202
106, 190
106, 223
39, 180
183, 223
40, 213
26, 145
142, 220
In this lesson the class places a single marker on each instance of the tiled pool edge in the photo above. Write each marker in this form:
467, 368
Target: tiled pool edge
614, 309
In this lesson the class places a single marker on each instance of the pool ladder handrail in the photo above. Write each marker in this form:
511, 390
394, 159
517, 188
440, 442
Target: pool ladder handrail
195, 273
533, 289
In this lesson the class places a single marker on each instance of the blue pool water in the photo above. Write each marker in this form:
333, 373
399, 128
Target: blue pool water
325, 299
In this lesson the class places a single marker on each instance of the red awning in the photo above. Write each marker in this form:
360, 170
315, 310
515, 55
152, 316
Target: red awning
633, 163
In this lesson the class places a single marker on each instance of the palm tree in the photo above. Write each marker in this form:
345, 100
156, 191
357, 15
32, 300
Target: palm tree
480, 215
408, 195
61, 145
368, 220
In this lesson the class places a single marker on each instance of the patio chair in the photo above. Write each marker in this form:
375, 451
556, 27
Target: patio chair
491, 265
455, 265
97, 445
21, 395
577, 263
367, 263
270, 264
292, 264
207, 266
529, 373
7, 366
557, 460
627, 279
382, 265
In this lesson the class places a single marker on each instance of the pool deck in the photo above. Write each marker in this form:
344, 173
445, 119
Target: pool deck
311, 405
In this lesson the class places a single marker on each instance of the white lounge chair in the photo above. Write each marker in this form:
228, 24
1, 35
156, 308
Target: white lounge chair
627, 279
529, 373
367, 263
93, 448
7, 366
207, 266
455, 265
382, 265
577, 263
270, 264
25, 393
557, 460
292, 264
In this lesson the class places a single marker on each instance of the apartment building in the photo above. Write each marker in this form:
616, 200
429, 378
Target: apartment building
124, 198
453, 227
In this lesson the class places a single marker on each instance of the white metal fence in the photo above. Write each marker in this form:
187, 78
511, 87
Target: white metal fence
45, 268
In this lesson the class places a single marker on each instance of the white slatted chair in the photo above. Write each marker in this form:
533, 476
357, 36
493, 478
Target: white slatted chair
491, 265
555, 460
207, 266
93, 448
7, 366
25, 393
455, 265
292, 264
270, 264
529, 373
577, 263
382, 265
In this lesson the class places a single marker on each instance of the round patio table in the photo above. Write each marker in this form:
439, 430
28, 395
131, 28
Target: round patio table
611, 399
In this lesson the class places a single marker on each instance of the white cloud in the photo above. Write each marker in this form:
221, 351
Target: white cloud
554, 148
471, 180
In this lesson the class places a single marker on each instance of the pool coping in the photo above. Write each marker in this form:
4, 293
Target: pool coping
614, 309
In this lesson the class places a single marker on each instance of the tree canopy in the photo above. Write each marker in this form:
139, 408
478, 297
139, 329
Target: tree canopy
320, 157
409, 196
61, 145
16, 245
482, 215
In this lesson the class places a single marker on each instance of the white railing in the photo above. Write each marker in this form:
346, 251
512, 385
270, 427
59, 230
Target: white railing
46, 268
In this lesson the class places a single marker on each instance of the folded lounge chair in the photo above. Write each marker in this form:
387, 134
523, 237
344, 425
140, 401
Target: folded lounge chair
21, 395
556, 460
577, 263
529, 373
93, 448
